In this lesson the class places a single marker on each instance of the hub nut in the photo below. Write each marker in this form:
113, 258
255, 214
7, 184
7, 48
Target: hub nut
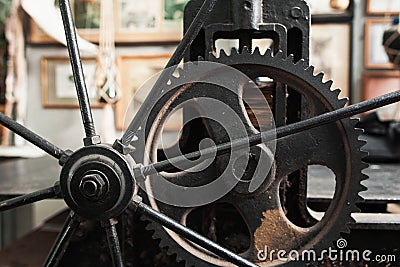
93, 186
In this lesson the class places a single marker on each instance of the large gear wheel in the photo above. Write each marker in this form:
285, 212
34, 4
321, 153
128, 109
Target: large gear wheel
265, 214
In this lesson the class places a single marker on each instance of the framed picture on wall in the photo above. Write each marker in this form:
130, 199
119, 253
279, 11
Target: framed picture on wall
331, 55
137, 77
58, 87
87, 18
134, 21
375, 56
383, 7
377, 83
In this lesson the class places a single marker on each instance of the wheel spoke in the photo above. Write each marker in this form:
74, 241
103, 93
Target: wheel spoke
79, 78
113, 242
189, 234
176, 58
31, 137
16, 202
62, 241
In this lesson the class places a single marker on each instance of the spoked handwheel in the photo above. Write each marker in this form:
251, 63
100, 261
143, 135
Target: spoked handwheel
98, 181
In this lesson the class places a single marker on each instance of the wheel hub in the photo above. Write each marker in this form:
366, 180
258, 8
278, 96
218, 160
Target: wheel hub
97, 182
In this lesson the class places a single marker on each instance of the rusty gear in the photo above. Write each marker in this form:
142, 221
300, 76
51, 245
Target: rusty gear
266, 214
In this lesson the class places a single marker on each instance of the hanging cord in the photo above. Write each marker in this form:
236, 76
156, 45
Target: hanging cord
16, 80
107, 71
107, 76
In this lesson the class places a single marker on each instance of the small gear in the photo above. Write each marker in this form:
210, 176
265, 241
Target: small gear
266, 219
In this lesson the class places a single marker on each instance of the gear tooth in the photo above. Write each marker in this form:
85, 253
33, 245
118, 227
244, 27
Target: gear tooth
337, 92
358, 131
178, 258
222, 53
290, 58
329, 84
311, 69
362, 143
359, 199
156, 236
188, 264
354, 122
163, 244
257, 51
343, 101
320, 76
234, 52
351, 220
364, 176
246, 50
212, 56
268, 52
301, 63
363, 188
346, 230
168, 251
145, 219
279, 55
364, 154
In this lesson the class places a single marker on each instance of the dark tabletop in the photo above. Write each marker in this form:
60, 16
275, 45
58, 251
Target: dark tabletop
22, 176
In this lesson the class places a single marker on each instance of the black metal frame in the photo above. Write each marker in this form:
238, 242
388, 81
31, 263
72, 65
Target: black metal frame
91, 139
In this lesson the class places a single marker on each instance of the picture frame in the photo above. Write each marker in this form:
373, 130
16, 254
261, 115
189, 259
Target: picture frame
383, 7
332, 55
135, 71
162, 23
375, 56
58, 87
377, 83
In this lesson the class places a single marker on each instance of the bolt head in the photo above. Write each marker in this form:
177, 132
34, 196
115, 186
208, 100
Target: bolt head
91, 141
296, 12
123, 149
93, 186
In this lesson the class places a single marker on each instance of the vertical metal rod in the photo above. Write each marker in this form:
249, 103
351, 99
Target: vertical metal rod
189, 234
76, 63
113, 242
176, 58
62, 241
